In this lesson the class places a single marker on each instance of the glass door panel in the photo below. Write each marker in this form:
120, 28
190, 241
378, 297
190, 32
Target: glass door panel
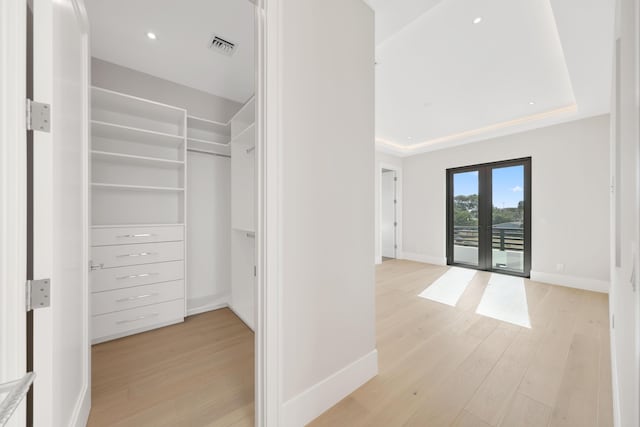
489, 216
508, 218
466, 226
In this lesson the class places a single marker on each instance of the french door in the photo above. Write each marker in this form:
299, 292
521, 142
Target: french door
489, 217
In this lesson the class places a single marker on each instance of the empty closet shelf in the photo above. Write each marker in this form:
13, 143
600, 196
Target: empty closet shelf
100, 185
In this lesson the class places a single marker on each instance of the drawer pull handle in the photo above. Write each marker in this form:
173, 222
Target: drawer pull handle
137, 255
146, 316
138, 297
131, 236
134, 276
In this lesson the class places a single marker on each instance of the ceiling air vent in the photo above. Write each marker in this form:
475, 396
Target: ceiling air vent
222, 46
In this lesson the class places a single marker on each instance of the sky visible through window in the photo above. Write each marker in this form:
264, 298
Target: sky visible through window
508, 185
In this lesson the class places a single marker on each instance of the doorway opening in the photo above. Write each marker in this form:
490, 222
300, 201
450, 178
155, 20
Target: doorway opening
388, 214
489, 217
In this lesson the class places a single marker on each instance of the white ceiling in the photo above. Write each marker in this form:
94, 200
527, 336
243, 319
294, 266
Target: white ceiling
180, 53
443, 81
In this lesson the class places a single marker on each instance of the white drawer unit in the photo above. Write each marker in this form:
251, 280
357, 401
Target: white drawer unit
137, 296
144, 253
126, 322
130, 235
109, 279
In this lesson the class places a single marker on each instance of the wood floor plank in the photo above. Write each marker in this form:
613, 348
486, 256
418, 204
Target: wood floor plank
197, 373
526, 412
442, 365
577, 403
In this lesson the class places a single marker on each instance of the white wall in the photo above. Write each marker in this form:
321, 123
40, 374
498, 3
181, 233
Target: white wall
200, 104
327, 203
624, 302
570, 194
382, 161
208, 230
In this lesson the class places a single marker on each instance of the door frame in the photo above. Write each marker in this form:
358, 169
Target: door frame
398, 170
269, 224
485, 205
13, 196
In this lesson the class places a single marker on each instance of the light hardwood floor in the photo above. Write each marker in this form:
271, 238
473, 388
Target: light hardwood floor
197, 373
443, 365
439, 365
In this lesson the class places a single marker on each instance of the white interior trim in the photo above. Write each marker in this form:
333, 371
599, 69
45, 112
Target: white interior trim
268, 394
311, 403
398, 171
13, 196
584, 283
427, 259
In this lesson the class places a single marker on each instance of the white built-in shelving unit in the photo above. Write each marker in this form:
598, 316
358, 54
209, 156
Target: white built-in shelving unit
138, 193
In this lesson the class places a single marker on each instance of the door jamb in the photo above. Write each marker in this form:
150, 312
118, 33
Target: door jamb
398, 209
269, 56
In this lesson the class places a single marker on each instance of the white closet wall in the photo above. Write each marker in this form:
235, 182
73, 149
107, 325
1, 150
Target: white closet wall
243, 139
208, 232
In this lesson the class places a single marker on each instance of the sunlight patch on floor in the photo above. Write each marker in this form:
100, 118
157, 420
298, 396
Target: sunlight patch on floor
449, 287
505, 299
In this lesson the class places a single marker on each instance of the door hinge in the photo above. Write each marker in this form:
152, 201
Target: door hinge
38, 116
38, 294
395, 224
395, 178
255, 271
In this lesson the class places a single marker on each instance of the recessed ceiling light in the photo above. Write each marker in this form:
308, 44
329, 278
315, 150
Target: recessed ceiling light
477, 20
409, 137
532, 103
151, 35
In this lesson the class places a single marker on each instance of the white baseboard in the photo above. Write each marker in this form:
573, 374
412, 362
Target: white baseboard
583, 283
207, 304
614, 380
311, 403
378, 260
80, 415
409, 256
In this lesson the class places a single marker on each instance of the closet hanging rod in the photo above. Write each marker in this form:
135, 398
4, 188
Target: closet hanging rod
193, 150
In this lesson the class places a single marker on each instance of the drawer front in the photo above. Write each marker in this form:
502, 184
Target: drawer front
145, 253
121, 322
138, 296
131, 235
108, 279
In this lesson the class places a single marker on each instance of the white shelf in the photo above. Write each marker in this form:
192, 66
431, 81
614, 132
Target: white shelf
136, 225
137, 160
195, 144
246, 135
208, 142
100, 185
208, 130
243, 118
207, 125
127, 133
132, 108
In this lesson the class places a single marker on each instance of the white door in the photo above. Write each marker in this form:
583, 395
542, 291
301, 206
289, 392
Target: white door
61, 352
388, 214
13, 217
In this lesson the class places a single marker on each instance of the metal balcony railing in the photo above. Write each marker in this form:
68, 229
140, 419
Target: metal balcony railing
503, 239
